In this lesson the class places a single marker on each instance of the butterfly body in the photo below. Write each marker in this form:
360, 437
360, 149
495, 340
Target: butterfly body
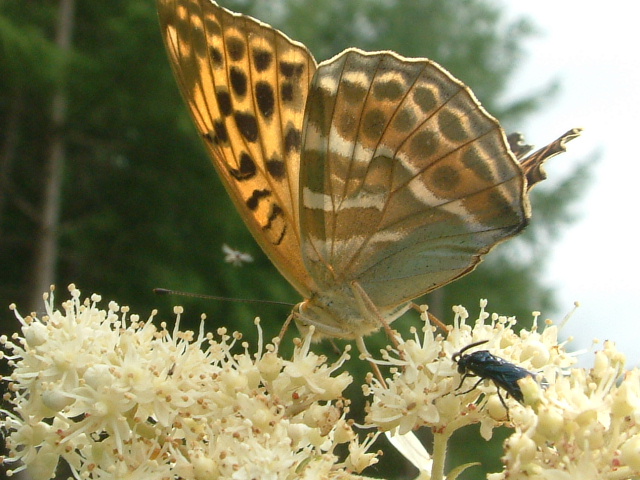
344, 313
369, 179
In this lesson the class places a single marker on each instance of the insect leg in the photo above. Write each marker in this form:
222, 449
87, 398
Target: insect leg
472, 388
504, 404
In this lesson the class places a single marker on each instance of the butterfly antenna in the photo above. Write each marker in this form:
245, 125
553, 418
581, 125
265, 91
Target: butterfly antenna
165, 291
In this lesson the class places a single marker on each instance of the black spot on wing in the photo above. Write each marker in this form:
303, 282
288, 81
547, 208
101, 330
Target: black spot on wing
235, 48
247, 125
246, 170
216, 57
224, 102
276, 212
286, 92
238, 81
291, 69
254, 200
265, 99
276, 169
219, 134
292, 140
262, 59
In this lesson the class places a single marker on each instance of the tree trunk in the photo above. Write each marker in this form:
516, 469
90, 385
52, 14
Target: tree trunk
46, 250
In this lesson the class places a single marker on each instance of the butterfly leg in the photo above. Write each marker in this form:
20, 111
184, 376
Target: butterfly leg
364, 353
432, 318
285, 327
368, 308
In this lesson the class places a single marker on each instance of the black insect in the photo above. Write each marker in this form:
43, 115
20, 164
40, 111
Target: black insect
487, 366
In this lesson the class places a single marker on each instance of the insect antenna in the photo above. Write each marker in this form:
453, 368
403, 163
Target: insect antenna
456, 356
165, 291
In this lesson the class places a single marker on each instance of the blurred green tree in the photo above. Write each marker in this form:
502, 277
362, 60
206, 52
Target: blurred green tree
140, 205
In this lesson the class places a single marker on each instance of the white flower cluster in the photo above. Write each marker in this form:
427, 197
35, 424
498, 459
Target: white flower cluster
116, 397
572, 424
585, 424
425, 387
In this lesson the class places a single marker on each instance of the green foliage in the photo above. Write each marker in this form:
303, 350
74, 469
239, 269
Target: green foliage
142, 206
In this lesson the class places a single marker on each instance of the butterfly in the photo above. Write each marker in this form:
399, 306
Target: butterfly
368, 179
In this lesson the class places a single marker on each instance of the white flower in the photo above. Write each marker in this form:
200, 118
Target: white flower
117, 397
427, 390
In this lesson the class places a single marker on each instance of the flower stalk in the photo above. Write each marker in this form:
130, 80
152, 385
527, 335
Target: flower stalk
440, 441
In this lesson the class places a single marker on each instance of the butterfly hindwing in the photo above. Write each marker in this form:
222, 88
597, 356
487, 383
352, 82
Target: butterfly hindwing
533, 164
246, 86
406, 180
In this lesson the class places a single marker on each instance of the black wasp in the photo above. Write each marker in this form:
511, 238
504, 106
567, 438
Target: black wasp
487, 366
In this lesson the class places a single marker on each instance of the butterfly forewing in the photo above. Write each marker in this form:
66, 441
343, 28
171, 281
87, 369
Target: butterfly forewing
246, 86
406, 180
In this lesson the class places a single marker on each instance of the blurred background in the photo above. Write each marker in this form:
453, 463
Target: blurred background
104, 182
591, 50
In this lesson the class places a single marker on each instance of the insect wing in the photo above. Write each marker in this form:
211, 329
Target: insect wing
246, 86
406, 181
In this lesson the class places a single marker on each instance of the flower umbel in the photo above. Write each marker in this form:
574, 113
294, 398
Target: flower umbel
572, 423
423, 390
585, 425
117, 397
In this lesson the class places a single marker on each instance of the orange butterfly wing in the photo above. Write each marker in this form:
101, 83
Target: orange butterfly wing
246, 86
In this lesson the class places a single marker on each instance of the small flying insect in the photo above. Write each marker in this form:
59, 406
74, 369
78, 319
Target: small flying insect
487, 366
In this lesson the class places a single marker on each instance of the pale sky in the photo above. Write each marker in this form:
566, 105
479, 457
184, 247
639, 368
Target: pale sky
592, 48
